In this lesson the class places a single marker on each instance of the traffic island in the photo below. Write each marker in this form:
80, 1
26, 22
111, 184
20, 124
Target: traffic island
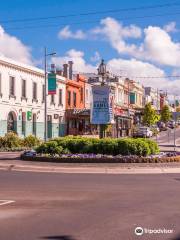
103, 159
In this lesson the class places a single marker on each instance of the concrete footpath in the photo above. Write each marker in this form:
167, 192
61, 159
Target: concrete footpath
116, 168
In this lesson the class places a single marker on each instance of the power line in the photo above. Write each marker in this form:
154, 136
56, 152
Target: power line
93, 13
159, 77
85, 22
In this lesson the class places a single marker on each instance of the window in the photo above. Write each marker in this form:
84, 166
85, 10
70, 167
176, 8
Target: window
87, 95
74, 99
23, 88
69, 98
81, 94
43, 93
52, 99
34, 91
12, 86
60, 96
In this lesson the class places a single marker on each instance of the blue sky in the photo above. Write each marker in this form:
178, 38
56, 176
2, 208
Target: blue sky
97, 35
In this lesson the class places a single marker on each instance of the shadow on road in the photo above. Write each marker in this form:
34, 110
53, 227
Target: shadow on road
63, 237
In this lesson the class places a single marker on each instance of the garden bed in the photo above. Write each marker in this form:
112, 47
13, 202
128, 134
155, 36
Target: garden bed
102, 159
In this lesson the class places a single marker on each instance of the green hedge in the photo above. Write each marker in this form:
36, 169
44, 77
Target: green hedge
126, 146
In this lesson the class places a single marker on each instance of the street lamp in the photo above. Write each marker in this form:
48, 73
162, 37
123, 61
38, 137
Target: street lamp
45, 92
102, 70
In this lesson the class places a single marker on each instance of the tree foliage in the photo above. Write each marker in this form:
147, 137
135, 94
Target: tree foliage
165, 114
150, 116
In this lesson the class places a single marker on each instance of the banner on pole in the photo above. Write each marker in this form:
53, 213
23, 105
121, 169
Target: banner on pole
51, 83
102, 105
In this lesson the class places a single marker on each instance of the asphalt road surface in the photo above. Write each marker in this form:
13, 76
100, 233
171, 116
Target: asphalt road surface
167, 137
88, 206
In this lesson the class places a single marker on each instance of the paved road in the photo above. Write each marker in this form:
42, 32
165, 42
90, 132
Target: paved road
167, 137
88, 207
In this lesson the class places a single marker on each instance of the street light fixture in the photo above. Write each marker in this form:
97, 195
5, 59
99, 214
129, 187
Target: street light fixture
45, 92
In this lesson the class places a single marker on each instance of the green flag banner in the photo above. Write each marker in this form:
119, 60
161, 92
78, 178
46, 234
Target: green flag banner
51, 83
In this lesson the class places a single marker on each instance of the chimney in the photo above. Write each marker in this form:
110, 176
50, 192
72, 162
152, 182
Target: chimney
53, 68
65, 70
70, 69
59, 71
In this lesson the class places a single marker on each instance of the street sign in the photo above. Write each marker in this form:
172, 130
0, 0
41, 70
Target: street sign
51, 83
102, 106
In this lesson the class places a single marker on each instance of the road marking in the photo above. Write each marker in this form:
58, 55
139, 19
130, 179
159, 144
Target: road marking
5, 202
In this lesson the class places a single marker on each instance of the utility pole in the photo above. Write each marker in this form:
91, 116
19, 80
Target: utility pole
175, 124
45, 91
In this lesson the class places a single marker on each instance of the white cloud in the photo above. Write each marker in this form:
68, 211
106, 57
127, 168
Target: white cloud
133, 69
12, 47
96, 57
159, 47
77, 57
170, 27
116, 33
66, 33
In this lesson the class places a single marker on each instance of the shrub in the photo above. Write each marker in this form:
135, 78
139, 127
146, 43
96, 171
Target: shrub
11, 140
126, 146
153, 146
31, 141
50, 147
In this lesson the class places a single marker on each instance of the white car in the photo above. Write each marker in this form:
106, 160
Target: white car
143, 132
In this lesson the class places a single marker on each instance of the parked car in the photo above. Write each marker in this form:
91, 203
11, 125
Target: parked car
29, 153
155, 128
162, 126
171, 124
178, 122
143, 132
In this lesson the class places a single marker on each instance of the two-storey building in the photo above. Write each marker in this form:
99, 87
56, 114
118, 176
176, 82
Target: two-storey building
22, 95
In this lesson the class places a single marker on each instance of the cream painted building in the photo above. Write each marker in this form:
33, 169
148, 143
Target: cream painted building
22, 101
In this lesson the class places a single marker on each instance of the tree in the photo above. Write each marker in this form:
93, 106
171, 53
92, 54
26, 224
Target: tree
150, 116
165, 114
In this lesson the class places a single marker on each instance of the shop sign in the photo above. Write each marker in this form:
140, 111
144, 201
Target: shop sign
29, 115
51, 83
81, 111
102, 105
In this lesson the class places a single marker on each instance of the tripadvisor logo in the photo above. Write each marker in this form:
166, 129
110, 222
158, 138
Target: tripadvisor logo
139, 231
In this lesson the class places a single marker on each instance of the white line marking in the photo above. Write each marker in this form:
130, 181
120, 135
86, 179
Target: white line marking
5, 202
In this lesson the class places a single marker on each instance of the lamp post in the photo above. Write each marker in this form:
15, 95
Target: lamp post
102, 72
45, 92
